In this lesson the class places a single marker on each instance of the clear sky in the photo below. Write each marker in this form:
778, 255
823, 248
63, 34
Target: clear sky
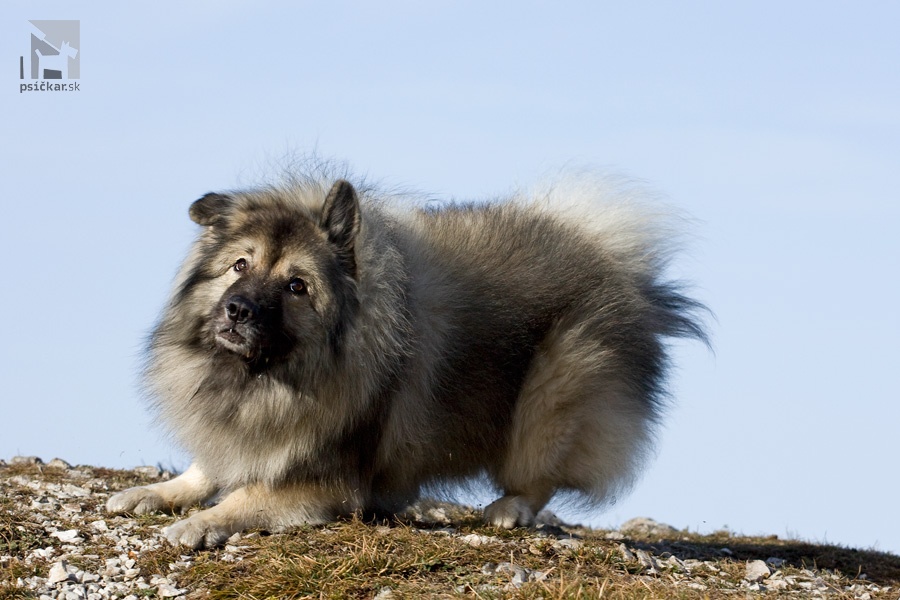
776, 125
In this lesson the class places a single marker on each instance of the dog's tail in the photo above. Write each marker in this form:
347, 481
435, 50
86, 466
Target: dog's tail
631, 224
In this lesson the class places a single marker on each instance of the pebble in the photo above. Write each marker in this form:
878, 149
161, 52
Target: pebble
757, 570
568, 545
70, 536
100, 526
473, 539
520, 575
166, 590
647, 527
58, 463
777, 584
626, 553
59, 573
695, 585
149, 471
648, 562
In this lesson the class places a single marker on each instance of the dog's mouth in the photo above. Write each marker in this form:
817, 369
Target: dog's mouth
233, 341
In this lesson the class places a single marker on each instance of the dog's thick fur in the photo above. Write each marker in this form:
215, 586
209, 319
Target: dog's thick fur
325, 353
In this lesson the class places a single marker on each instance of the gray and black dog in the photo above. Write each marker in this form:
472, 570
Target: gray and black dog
325, 351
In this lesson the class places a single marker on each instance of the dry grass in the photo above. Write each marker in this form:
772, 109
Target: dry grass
356, 559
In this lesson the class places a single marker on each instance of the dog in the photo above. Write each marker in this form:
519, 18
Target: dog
55, 62
326, 351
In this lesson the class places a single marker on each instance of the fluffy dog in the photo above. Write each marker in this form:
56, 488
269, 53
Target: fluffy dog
324, 352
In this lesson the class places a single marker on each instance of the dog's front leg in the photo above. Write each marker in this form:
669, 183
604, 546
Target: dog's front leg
189, 488
258, 506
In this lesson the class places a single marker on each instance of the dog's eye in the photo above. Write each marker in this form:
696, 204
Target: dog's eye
240, 265
297, 286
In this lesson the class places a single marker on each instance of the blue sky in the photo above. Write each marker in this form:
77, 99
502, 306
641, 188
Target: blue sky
775, 125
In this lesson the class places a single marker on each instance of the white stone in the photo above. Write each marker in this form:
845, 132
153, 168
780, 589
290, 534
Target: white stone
43, 503
100, 526
44, 553
648, 527
59, 573
568, 545
648, 562
111, 571
149, 471
70, 535
674, 563
74, 490
473, 539
777, 584
520, 575
757, 570
169, 591
696, 586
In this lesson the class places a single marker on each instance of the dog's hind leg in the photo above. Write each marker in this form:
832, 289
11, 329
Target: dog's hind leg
576, 427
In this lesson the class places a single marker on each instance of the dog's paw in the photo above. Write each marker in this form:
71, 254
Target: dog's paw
136, 501
509, 512
199, 531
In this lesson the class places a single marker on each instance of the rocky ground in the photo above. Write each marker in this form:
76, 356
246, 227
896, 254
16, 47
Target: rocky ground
56, 542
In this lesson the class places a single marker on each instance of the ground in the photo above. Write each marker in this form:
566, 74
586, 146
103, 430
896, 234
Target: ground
57, 542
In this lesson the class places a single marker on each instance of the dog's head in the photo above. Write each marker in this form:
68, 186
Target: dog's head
273, 276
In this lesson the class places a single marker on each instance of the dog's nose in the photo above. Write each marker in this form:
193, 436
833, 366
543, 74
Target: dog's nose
240, 309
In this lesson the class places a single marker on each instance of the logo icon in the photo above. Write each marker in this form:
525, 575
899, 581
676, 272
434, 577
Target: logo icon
55, 51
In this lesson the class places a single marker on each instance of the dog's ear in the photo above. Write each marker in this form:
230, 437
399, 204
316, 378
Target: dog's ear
341, 221
209, 209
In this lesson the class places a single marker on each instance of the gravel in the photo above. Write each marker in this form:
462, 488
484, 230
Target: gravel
70, 513
75, 551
